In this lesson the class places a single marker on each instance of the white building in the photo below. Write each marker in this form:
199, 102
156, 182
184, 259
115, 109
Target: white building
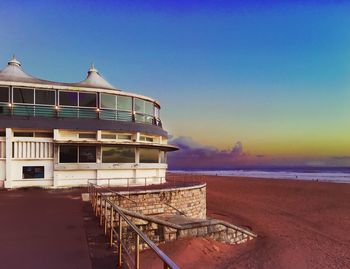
57, 134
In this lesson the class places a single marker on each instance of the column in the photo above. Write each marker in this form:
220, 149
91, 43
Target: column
8, 175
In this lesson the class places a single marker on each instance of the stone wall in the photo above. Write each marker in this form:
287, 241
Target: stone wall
188, 201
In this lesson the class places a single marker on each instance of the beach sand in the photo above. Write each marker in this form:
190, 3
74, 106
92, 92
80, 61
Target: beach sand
300, 224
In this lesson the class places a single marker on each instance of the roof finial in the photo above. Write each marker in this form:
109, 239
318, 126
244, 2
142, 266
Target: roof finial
14, 61
92, 68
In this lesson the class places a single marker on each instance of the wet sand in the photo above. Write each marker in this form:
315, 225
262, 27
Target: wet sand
300, 224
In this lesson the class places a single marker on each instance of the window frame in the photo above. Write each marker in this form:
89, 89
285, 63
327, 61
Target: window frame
132, 103
148, 149
8, 95
59, 104
96, 101
25, 88
118, 146
43, 89
100, 101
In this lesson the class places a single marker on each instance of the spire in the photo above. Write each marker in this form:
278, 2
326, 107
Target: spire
14, 61
92, 69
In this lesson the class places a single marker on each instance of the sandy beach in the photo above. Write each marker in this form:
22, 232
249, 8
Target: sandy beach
300, 224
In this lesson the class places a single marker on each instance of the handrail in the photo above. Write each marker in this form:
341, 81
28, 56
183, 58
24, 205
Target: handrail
114, 192
97, 198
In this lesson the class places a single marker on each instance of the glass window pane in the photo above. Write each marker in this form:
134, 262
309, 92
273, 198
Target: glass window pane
43, 97
108, 101
124, 103
149, 155
87, 99
68, 154
68, 98
163, 157
33, 172
115, 154
4, 94
139, 105
149, 108
156, 112
87, 154
24, 96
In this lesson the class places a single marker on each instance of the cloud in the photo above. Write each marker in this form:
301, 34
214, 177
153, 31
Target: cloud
193, 155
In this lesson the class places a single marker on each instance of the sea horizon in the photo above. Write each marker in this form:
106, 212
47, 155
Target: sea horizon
323, 174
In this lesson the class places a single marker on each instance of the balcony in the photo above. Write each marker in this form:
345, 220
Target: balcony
29, 110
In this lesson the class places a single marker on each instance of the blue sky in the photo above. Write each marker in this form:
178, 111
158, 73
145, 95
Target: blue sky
273, 76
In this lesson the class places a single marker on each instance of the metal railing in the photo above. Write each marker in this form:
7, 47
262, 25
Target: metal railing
114, 221
30, 110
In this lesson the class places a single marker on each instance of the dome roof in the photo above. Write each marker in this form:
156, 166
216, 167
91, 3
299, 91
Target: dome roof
13, 72
94, 79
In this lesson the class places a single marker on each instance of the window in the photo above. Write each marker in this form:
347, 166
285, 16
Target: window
87, 154
124, 103
149, 155
87, 99
43, 135
45, 97
68, 98
108, 101
115, 154
148, 108
23, 134
156, 112
33, 172
68, 154
108, 136
23, 96
87, 135
146, 138
143, 107
124, 137
162, 157
4, 94
2, 133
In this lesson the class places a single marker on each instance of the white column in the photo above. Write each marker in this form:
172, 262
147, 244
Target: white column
8, 175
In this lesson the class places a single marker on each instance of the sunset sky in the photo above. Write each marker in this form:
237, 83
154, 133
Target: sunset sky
240, 82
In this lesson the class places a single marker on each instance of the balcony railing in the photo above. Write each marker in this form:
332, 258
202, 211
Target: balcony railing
25, 110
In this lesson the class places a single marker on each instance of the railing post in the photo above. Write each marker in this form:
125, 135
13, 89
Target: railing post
120, 250
96, 203
105, 218
111, 227
137, 252
100, 209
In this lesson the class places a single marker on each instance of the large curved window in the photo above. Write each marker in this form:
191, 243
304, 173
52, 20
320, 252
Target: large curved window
118, 154
149, 155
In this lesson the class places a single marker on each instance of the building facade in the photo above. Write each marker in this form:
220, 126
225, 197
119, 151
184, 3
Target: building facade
56, 134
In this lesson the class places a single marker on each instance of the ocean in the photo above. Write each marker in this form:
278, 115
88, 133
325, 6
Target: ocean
326, 174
